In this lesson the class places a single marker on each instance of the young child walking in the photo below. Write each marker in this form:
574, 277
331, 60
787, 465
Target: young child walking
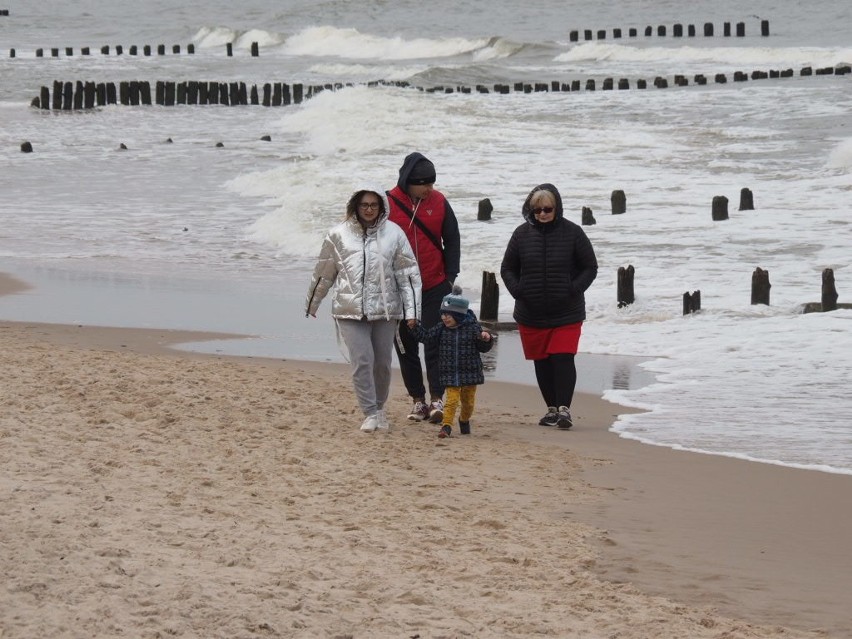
460, 340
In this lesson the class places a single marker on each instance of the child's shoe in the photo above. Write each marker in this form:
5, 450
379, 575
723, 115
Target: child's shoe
464, 427
446, 431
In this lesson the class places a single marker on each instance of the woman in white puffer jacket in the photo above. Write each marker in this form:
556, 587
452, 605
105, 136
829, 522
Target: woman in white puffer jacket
369, 265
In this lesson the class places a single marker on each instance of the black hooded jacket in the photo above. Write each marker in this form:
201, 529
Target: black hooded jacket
548, 267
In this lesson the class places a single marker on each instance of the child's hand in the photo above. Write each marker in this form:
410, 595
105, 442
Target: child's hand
485, 336
412, 323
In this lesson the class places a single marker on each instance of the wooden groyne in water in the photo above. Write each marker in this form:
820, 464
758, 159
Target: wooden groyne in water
79, 94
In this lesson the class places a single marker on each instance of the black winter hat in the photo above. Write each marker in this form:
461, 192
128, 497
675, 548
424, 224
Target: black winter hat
422, 173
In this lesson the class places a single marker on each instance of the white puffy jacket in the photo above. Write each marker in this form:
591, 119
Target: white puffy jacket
374, 273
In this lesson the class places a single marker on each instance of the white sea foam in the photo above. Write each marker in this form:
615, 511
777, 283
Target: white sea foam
841, 155
351, 43
684, 57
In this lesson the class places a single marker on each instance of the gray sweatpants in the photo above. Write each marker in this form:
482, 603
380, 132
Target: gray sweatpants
370, 346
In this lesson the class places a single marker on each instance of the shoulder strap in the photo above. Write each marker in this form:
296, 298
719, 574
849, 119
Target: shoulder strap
418, 222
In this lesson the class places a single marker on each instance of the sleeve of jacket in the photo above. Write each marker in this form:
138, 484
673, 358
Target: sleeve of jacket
481, 345
325, 272
452, 242
586, 262
407, 275
510, 267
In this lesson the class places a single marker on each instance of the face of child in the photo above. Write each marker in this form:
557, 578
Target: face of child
448, 320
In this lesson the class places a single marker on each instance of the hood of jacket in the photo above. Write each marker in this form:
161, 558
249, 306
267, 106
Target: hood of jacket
527, 213
405, 170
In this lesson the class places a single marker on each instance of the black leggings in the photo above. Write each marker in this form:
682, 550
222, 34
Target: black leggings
556, 376
409, 355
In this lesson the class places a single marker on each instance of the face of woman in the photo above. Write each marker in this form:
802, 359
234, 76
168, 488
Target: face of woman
544, 211
368, 208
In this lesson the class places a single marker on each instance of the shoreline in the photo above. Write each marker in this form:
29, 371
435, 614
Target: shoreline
731, 538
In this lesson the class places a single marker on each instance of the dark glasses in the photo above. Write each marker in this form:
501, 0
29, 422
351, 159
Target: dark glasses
542, 209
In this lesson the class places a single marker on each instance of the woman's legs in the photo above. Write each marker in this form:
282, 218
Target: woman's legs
564, 378
357, 336
382, 337
544, 375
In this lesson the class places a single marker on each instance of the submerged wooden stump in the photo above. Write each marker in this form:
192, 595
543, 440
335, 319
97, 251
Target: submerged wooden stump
625, 293
483, 214
760, 286
829, 291
490, 297
691, 302
619, 202
588, 217
746, 200
720, 208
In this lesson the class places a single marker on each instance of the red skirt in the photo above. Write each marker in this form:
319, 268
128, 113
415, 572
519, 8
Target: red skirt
538, 343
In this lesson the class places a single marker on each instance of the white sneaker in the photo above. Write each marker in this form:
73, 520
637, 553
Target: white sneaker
370, 424
382, 421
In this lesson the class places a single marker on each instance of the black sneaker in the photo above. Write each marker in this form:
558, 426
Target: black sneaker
551, 418
464, 427
446, 431
563, 418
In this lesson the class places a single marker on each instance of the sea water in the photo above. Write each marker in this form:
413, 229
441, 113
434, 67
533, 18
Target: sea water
198, 195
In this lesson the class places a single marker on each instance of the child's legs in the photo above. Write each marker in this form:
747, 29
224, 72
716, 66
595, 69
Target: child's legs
468, 402
451, 403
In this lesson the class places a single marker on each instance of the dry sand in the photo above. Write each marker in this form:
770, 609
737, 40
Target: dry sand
153, 493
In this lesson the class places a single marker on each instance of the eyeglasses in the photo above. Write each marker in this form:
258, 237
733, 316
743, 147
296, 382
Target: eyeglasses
369, 206
542, 209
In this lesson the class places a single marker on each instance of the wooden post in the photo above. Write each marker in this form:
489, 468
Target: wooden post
764, 28
254, 50
490, 297
45, 98
67, 96
746, 200
89, 95
829, 292
708, 29
26, 147
720, 208
229, 48
691, 302
485, 209
588, 217
760, 286
619, 202
625, 293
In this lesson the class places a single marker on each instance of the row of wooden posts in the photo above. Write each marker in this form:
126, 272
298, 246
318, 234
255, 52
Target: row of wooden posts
618, 202
147, 50
70, 95
625, 295
677, 31
573, 36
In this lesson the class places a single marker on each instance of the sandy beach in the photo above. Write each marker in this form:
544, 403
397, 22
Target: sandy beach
150, 492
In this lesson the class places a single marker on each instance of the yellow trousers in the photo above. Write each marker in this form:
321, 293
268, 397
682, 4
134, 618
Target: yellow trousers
464, 395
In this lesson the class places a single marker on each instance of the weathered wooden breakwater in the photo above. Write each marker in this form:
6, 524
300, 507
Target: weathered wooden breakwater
79, 94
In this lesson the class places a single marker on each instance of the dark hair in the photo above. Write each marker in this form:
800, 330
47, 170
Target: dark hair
355, 200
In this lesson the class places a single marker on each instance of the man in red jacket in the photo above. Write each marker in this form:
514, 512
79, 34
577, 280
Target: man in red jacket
433, 232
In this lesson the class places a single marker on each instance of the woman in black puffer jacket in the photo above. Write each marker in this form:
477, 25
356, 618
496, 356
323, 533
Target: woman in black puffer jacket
547, 267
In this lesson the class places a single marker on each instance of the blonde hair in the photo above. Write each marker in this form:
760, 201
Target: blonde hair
542, 197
